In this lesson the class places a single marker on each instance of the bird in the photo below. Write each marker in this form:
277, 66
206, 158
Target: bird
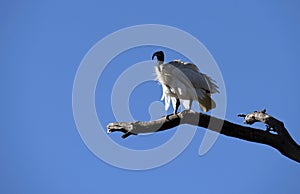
182, 81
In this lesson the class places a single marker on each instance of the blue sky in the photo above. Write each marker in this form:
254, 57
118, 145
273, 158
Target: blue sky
255, 43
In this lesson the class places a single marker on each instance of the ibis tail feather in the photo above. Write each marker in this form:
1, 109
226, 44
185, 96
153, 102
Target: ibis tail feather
206, 103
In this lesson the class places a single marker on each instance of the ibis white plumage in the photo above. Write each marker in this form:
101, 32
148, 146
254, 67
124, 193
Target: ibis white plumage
182, 81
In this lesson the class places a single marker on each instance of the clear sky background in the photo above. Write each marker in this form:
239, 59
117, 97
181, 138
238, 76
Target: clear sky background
255, 43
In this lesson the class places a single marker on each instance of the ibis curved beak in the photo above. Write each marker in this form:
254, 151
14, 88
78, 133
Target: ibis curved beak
154, 54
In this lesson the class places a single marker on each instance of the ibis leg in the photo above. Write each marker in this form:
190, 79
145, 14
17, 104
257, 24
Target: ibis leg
177, 106
190, 104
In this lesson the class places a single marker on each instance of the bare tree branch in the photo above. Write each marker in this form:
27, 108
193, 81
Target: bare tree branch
275, 134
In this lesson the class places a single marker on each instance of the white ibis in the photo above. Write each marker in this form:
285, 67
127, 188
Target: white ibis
182, 81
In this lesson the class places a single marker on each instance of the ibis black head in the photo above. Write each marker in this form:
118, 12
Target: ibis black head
159, 55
